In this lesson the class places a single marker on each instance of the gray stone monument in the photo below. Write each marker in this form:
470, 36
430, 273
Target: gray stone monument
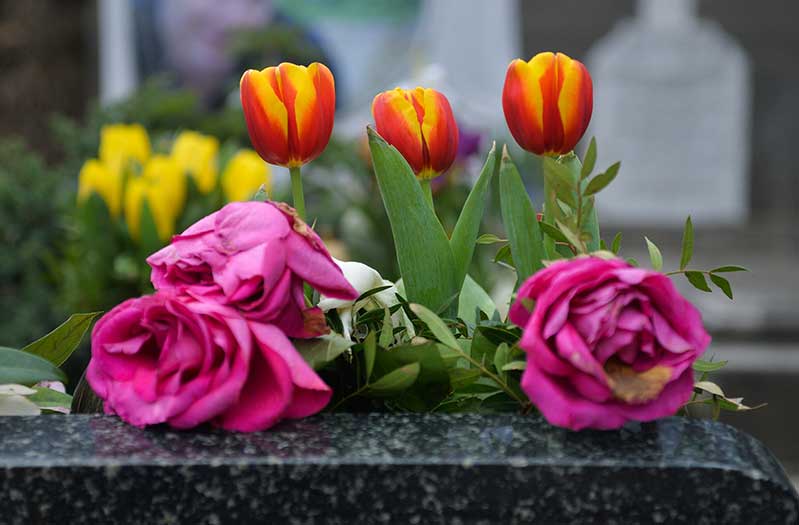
672, 101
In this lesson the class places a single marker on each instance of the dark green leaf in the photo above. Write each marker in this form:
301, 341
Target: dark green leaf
552, 232
521, 223
423, 250
369, 293
687, 244
727, 269
318, 352
387, 332
501, 357
697, 279
601, 181
26, 369
722, 283
468, 226
396, 381
590, 160
632, 261
59, 344
654, 255
460, 378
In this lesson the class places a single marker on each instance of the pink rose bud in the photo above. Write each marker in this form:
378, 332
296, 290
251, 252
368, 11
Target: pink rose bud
254, 256
606, 343
173, 359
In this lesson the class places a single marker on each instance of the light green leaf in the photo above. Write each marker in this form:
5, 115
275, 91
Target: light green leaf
589, 161
423, 250
369, 349
571, 235
687, 244
59, 344
515, 365
727, 269
722, 283
709, 387
396, 381
615, 246
601, 181
26, 369
49, 398
708, 366
520, 220
468, 226
654, 255
552, 232
473, 297
436, 325
697, 279
489, 238
560, 179
261, 195
501, 356
387, 332
322, 350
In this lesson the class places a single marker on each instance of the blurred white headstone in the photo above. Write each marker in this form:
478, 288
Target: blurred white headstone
117, 50
672, 102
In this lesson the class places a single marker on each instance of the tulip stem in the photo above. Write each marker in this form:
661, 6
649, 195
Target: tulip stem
428, 193
296, 191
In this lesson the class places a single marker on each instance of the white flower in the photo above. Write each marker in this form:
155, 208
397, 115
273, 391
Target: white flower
14, 403
364, 278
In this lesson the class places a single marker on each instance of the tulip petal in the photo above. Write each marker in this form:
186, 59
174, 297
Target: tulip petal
266, 115
397, 121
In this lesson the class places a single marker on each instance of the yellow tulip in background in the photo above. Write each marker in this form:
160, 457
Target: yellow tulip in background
196, 154
165, 173
122, 143
139, 191
96, 177
244, 175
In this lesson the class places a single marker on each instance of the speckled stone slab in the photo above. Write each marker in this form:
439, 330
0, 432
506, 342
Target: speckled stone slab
387, 469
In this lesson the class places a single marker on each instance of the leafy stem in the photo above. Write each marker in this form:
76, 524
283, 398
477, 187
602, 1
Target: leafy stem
498, 380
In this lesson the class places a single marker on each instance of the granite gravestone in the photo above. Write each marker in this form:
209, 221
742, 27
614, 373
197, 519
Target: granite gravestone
380, 468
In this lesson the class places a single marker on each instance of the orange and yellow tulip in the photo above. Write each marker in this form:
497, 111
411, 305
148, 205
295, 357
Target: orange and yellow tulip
419, 123
547, 103
289, 111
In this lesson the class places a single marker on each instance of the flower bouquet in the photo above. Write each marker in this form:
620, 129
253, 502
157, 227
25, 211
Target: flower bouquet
253, 321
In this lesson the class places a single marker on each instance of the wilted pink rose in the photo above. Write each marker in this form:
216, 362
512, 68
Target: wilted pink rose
606, 343
173, 359
254, 256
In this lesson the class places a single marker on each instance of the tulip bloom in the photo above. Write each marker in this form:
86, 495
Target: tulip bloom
547, 103
96, 177
196, 154
244, 175
289, 111
419, 123
121, 144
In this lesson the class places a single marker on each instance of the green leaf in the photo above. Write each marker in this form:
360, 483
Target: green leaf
654, 255
423, 250
552, 232
26, 369
49, 398
433, 383
387, 332
261, 195
601, 181
727, 269
708, 366
59, 344
489, 238
519, 218
369, 349
615, 246
697, 279
473, 297
501, 356
322, 350
468, 226
632, 261
570, 235
515, 365
436, 325
709, 387
722, 283
369, 293
149, 240
559, 178
687, 244
462, 377
589, 161
396, 381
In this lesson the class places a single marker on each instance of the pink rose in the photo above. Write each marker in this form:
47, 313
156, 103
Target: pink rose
173, 359
606, 343
254, 256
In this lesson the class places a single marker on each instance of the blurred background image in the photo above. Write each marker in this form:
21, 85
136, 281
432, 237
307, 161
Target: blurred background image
120, 125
